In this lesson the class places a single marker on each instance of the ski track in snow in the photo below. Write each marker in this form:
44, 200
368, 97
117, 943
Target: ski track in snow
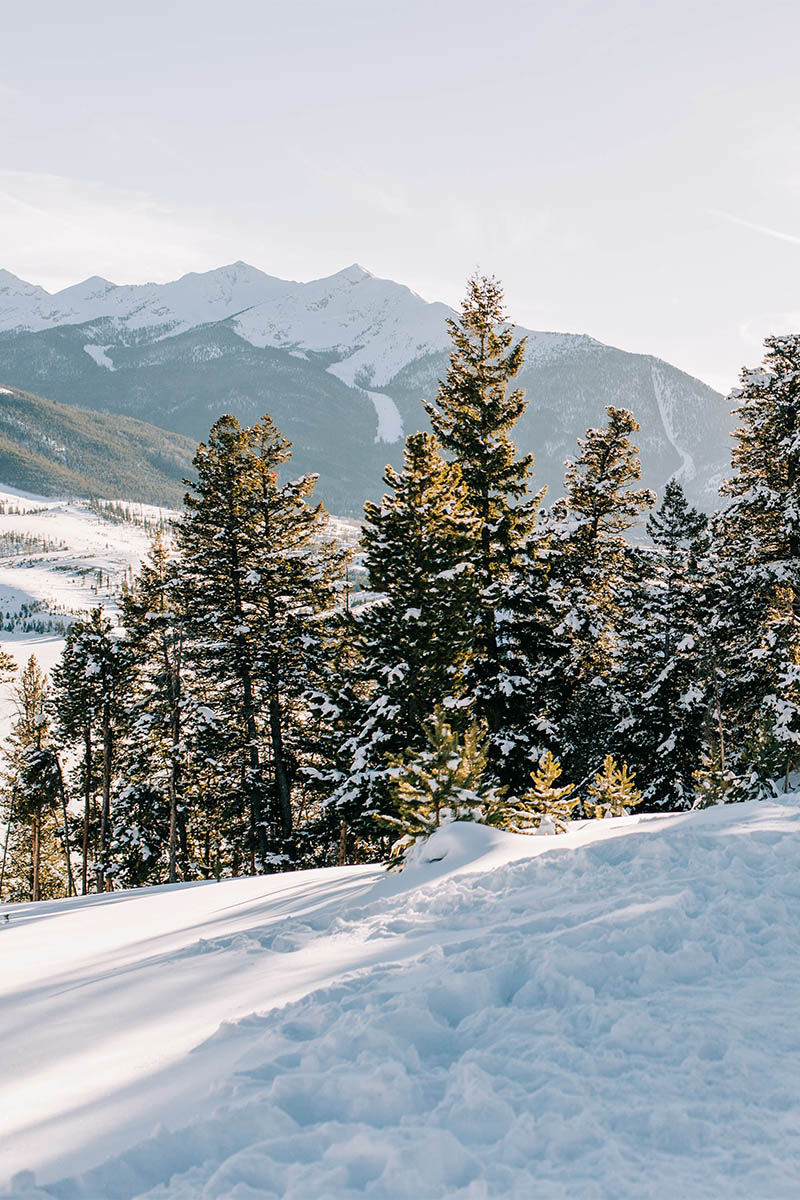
607, 1014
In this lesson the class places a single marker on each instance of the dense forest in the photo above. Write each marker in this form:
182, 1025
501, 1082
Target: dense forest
510, 659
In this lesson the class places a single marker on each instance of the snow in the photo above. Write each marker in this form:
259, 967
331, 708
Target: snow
370, 328
609, 1013
390, 423
64, 580
98, 353
667, 396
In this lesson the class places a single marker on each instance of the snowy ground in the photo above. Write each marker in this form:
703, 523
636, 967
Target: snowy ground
608, 1014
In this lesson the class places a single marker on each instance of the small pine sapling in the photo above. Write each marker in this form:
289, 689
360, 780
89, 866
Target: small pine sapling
613, 791
546, 807
439, 784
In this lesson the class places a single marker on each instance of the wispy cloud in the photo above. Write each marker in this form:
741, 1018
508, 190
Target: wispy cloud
775, 233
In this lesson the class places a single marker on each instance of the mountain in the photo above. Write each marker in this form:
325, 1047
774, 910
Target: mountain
59, 449
341, 364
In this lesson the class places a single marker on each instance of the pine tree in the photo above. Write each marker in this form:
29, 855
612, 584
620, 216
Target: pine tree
663, 687
472, 416
759, 538
444, 782
613, 791
545, 808
260, 571
33, 791
592, 562
155, 614
411, 648
87, 698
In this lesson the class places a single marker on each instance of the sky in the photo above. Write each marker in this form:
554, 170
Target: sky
629, 169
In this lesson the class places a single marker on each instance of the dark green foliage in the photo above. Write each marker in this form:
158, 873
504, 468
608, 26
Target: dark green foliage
664, 693
412, 644
262, 572
592, 563
759, 547
33, 858
89, 690
473, 415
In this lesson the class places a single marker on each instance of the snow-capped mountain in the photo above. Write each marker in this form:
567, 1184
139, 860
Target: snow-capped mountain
341, 363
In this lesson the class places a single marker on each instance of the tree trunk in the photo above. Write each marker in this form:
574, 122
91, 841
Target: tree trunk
36, 851
87, 812
8, 839
103, 883
70, 880
281, 776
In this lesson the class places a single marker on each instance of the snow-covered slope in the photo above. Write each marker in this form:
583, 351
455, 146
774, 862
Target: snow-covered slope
608, 1014
59, 559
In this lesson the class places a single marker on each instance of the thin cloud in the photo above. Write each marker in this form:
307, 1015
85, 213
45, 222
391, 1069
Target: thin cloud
775, 233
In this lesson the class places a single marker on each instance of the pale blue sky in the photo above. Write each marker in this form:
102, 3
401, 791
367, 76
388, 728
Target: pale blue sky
629, 169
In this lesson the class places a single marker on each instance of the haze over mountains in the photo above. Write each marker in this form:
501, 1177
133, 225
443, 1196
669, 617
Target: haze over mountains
341, 364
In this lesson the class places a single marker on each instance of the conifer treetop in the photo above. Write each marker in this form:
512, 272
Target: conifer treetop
474, 411
598, 482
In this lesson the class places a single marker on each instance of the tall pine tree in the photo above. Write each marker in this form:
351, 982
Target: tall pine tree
261, 568
473, 414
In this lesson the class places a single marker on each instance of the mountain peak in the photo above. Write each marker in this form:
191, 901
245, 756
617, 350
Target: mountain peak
353, 274
9, 280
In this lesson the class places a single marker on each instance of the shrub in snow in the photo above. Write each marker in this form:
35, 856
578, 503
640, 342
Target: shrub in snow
613, 791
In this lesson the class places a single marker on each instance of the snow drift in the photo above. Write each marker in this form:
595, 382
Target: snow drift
611, 1013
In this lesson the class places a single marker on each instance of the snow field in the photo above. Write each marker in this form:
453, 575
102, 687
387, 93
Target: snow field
610, 1013
64, 580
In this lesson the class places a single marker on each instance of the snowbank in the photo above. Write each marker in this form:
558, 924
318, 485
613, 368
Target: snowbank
611, 1013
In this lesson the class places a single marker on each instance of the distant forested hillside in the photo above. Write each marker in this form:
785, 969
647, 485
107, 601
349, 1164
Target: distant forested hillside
59, 449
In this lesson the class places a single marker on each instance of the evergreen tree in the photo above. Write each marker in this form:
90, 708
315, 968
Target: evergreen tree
31, 864
412, 653
260, 571
444, 782
663, 686
547, 805
759, 538
88, 692
592, 562
613, 791
472, 416
155, 613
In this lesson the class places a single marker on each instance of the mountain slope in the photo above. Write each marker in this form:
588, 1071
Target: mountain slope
59, 449
341, 364
607, 1013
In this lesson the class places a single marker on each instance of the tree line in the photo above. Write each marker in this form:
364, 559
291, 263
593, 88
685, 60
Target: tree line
512, 661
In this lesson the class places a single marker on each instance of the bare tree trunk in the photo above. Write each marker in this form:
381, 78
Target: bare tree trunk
342, 857
8, 839
87, 812
36, 849
281, 775
63, 791
103, 883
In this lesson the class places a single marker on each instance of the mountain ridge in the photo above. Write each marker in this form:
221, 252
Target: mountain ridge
341, 363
